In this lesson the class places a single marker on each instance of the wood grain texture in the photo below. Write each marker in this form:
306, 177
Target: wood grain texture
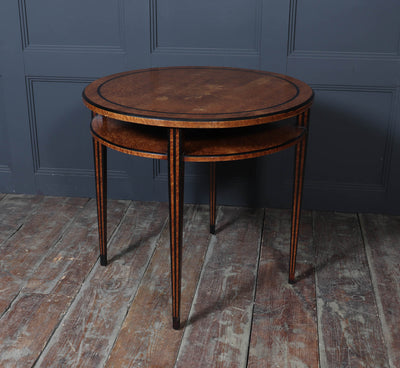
146, 338
298, 179
284, 332
24, 251
48, 289
176, 169
198, 97
100, 169
382, 238
68, 311
14, 209
200, 145
91, 325
219, 324
350, 333
133, 139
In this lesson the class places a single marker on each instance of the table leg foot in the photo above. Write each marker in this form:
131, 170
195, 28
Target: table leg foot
176, 180
176, 324
212, 229
103, 260
212, 197
100, 159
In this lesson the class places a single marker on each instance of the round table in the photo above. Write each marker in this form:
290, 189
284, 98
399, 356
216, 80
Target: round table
197, 114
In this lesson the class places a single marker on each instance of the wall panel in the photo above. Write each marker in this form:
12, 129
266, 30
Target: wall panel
356, 28
5, 159
206, 32
206, 26
349, 53
351, 136
60, 137
90, 25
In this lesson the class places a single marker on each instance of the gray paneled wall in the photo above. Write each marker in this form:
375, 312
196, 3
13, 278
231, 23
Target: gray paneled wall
348, 51
5, 160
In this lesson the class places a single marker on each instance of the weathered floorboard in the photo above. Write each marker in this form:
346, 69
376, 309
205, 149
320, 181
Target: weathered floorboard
382, 242
284, 332
49, 288
14, 210
22, 253
219, 325
147, 338
92, 323
60, 308
350, 333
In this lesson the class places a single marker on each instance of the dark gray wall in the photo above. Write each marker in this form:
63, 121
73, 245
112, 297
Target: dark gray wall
348, 51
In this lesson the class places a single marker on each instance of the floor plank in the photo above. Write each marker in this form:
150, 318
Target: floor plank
22, 253
92, 323
349, 329
382, 239
220, 319
58, 307
284, 332
14, 210
147, 338
48, 289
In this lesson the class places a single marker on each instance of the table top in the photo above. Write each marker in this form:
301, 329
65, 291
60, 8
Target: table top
198, 97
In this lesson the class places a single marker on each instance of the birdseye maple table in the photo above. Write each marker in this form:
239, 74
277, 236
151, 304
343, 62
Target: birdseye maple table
196, 114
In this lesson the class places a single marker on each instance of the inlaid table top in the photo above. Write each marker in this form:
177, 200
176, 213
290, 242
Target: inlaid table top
198, 97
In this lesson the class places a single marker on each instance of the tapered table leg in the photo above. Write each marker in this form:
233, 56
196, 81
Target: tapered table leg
212, 197
176, 180
300, 154
100, 164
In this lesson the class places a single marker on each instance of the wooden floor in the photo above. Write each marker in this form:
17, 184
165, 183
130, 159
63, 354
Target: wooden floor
60, 308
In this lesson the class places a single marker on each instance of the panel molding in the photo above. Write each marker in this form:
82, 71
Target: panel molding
111, 174
5, 169
160, 176
71, 49
337, 55
155, 48
157, 174
293, 52
27, 45
384, 179
30, 82
314, 185
37, 167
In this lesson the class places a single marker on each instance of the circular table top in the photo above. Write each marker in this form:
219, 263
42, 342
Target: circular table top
198, 97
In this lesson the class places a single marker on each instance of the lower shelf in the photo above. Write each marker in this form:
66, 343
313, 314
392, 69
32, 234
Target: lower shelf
200, 145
